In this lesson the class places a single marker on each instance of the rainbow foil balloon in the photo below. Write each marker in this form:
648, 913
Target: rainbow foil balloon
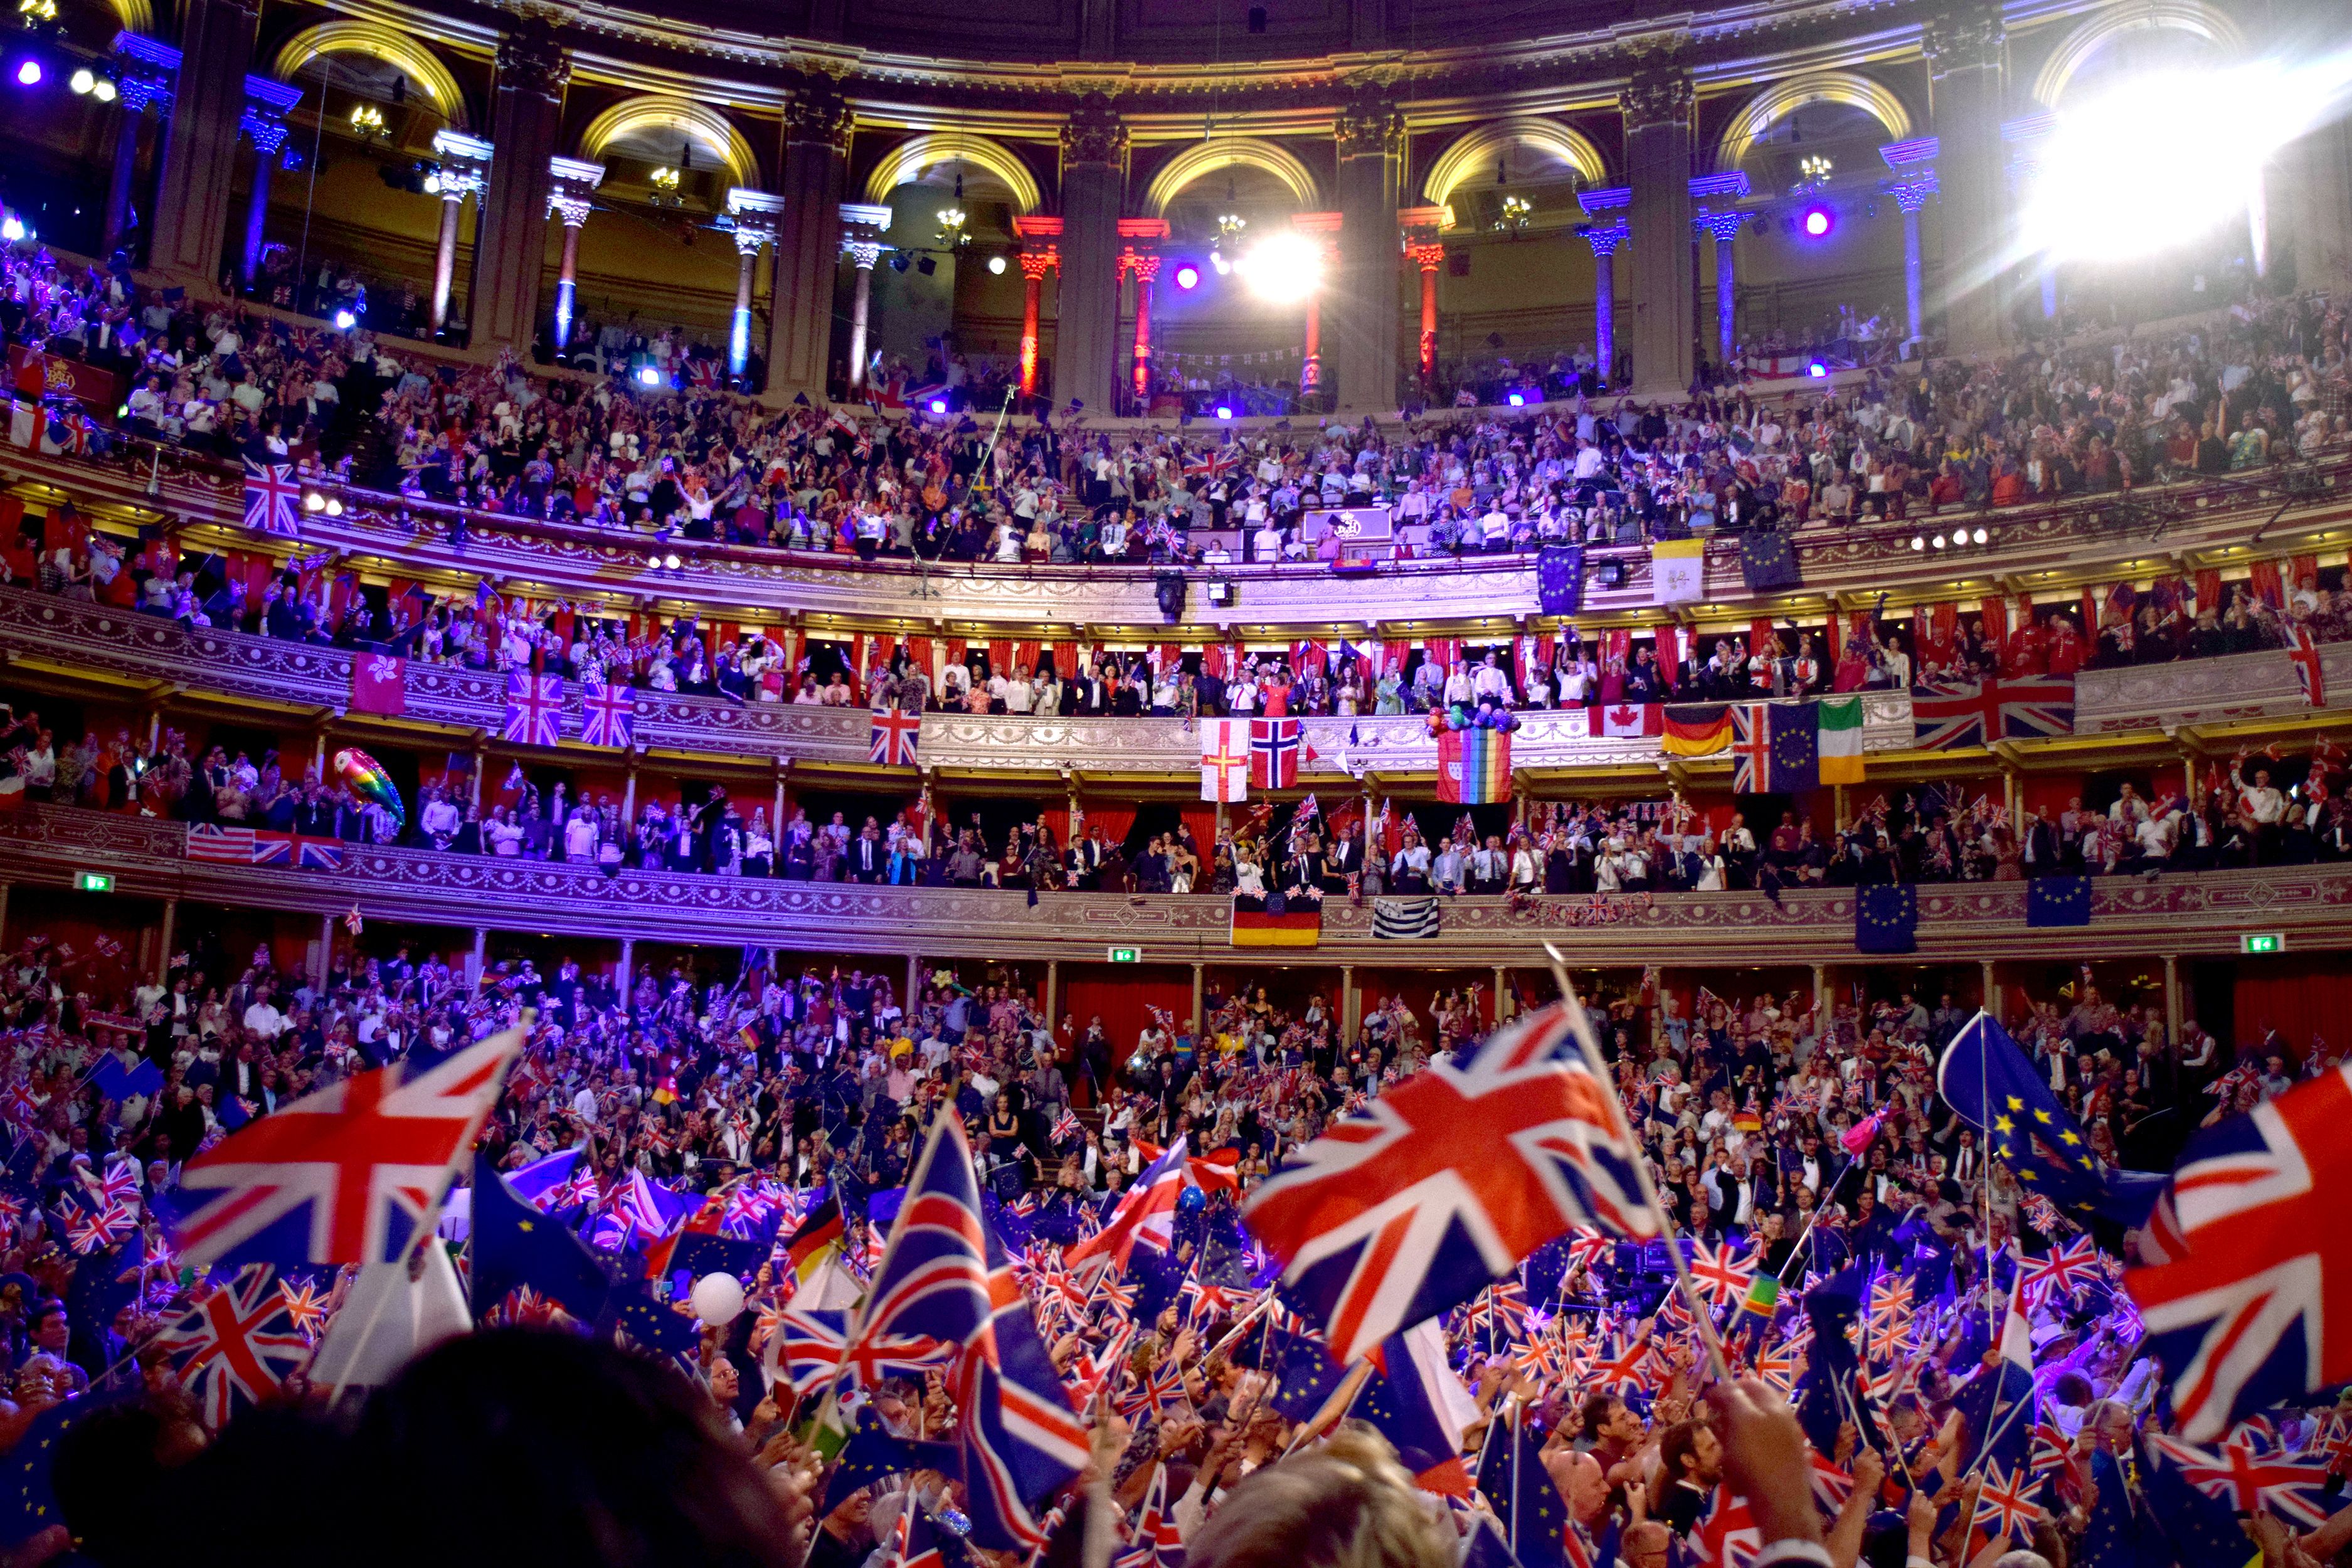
366, 779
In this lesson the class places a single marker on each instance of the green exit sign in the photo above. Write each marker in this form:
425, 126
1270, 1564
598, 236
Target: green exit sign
1126, 955
2266, 942
93, 882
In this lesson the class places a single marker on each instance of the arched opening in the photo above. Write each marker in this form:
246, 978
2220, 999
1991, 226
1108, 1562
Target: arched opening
947, 297
1203, 160
1516, 175
2159, 35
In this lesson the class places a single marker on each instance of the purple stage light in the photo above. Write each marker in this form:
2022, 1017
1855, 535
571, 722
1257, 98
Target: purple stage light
1188, 276
1818, 222
29, 74
938, 405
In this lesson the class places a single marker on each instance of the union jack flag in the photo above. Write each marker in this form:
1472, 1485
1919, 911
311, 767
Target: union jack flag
534, 709
943, 1276
2237, 1312
1145, 1217
1444, 1183
2005, 1505
2065, 1268
235, 1346
353, 1174
2303, 652
2251, 1480
608, 715
1722, 1274
1622, 1371
894, 738
1155, 1391
273, 501
1728, 1536
90, 1229
1204, 1301
1094, 1368
1211, 465
803, 1351
1275, 747
1066, 1127
306, 1305
1976, 713
1159, 1540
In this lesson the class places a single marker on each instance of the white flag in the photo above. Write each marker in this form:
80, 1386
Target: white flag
1225, 759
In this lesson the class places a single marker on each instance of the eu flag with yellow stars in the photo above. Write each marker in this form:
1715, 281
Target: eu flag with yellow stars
1796, 747
1986, 1077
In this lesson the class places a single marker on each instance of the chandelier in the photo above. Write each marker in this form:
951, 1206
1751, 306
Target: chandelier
1813, 172
953, 222
367, 120
1516, 211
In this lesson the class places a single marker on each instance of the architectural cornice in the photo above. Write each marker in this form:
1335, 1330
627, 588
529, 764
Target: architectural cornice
2197, 915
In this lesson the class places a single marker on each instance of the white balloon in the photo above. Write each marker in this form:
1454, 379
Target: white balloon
717, 1299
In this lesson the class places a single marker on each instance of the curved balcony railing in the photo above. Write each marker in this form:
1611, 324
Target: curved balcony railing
2079, 539
79, 637
2188, 914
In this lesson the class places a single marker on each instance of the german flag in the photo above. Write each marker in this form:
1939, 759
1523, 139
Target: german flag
819, 1235
1300, 924
1697, 728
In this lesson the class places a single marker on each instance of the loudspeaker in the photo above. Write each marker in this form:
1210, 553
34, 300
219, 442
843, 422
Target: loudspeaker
1171, 593
1257, 18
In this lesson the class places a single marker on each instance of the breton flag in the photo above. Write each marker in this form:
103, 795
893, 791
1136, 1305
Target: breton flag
893, 739
273, 501
1442, 1184
353, 1174
608, 715
1405, 920
1225, 759
534, 707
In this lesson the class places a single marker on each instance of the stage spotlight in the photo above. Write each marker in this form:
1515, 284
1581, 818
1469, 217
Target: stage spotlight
103, 90
938, 405
996, 266
1283, 268
28, 73
1517, 400
1188, 276
648, 376
1225, 411
313, 502
83, 80
1938, 541
1918, 542
1217, 259
12, 228
1818, 221
1981, 536
2163, 158
345, 321
1817, 369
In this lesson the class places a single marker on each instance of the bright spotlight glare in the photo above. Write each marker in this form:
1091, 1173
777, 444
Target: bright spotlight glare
1817, 369
1519, 400
12, 228
2166, 157
996, 266
103, 91
1188, 276
1225, 411
1282, 268
1217, 259
29, 74
648, 376
83, 79
1817, 222
938, 405
345, 321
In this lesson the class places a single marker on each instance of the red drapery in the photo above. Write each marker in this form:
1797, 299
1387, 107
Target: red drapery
1114, 820
1202, 822
1123, 998
2297, 999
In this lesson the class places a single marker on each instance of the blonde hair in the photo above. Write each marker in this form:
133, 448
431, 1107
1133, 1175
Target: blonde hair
1345, 1504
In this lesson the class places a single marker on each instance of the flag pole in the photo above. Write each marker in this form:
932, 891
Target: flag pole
1580, 1028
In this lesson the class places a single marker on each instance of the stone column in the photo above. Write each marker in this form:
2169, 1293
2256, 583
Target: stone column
264, 123
914, 981
527, 128
164, 937
325, 964
817, 127
1911, 195
464, 172
1502, 993
1199, 998
570, 193
622, 969
1964, 51
193, 194
1040, 253
144, 70
1052, 992
1350, 1004
1429, 258
861, 240
1369, 131
2172, 998
1820, 993
1139, 238
756, 213
1320, 230
1094, 188
474, 964
1725, 226
1657, 109
1604, 243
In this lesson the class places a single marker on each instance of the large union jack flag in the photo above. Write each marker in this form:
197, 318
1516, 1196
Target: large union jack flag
944, 1276
235, 1346
2242, 1312
1439, 1187
1976, 713
273, 501
534, 707
894, 738
2251, 1480
608, 715
353, 1174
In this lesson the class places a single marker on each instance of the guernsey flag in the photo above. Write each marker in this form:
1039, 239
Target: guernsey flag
1473, 767
1841, 740
1697, 730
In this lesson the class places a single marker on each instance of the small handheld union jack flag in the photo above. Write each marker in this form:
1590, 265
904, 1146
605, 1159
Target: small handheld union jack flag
237, 1345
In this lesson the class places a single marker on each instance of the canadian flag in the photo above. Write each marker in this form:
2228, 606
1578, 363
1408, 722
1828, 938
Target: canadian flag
1612, 721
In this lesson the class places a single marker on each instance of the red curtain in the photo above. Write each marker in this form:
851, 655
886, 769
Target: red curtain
1202, 822
1114, 820
1058, 818
2299, 1000
1123, 998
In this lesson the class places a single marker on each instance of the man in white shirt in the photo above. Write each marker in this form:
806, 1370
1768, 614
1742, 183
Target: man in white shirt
263, 1020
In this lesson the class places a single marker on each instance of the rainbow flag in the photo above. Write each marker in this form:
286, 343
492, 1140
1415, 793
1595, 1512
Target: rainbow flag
1473, 767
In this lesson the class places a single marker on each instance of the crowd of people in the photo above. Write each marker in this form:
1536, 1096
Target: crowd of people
1809, 1129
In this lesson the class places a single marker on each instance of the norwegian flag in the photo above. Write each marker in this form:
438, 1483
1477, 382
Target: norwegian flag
608, 715
1444, 1183
1275, 747
1722, 1274
2238, 1314
894, 738
534, 709
1976, 713
237, 1345
353, 1174
273, 501
2303, 652
943, 1276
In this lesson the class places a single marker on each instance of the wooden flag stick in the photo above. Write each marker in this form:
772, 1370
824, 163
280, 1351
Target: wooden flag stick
1580, 1027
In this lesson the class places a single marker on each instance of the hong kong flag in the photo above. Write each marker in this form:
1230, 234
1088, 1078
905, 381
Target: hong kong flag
379, 684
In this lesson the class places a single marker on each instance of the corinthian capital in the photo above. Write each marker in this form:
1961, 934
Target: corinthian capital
1964, 38
1369, 125
1656, 97
1093, 135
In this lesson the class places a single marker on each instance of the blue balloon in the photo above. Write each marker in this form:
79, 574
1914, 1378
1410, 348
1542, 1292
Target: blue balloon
1454, 720
1191, 1201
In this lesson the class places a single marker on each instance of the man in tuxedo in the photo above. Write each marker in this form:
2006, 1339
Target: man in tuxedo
869, 861
1345, 859
1085, 858
2040, 849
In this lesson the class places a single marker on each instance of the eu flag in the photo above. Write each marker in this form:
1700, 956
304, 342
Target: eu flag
2058, 901
1526, 1504
1560, 579
1767, 561
1796, 747
1887, 919
1989, 1081
514, 1245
